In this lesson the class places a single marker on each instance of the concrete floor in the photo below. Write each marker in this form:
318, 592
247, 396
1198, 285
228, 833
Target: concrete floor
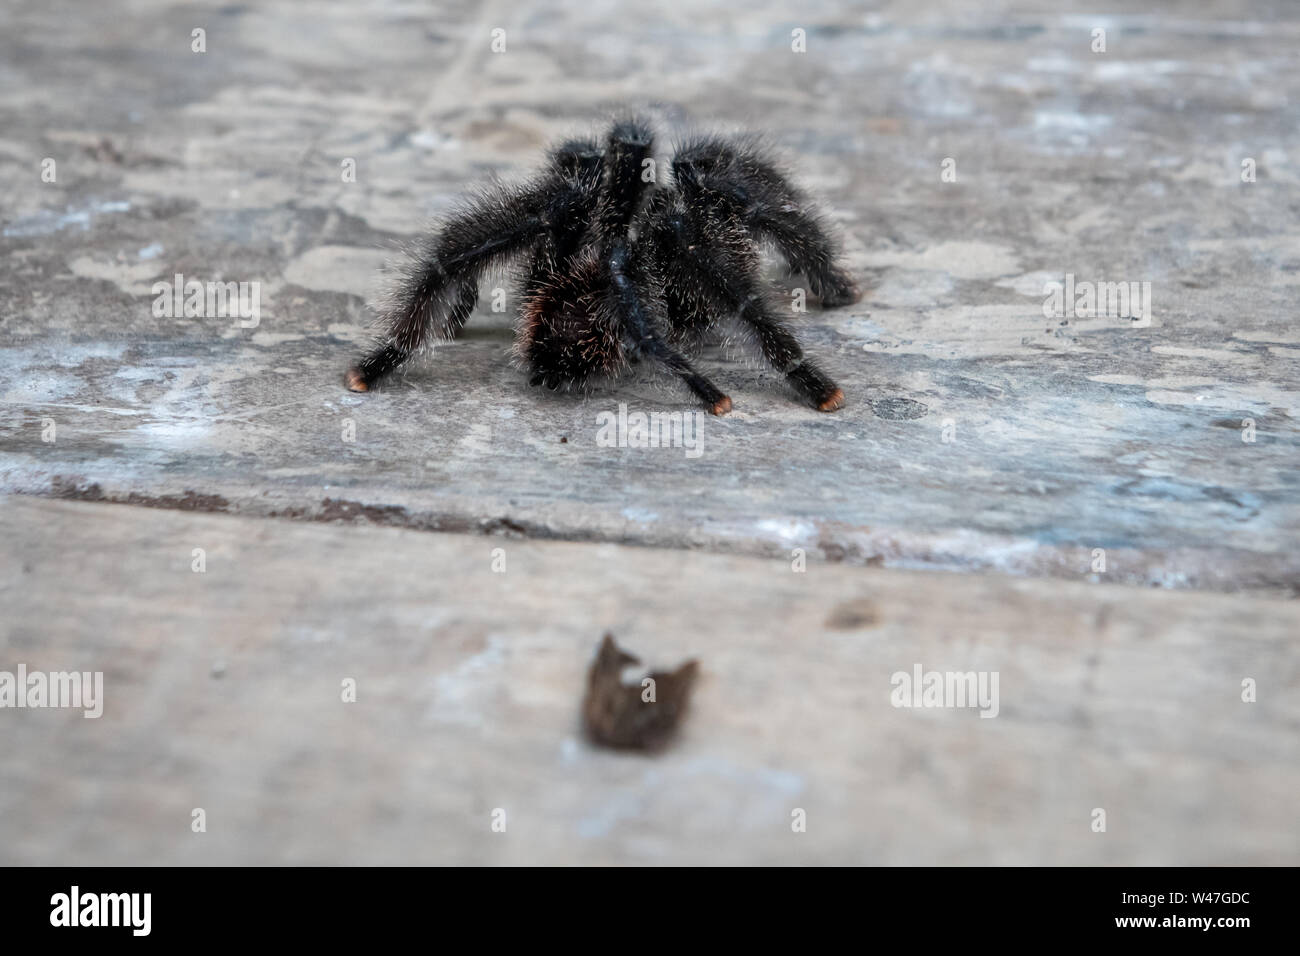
981, 438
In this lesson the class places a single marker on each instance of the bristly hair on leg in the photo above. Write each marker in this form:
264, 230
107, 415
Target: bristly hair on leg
748, 173
429, 301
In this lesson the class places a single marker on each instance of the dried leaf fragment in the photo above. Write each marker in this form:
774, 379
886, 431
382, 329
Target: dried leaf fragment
639, 716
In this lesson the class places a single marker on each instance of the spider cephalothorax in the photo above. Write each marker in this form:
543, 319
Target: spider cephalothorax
621, 268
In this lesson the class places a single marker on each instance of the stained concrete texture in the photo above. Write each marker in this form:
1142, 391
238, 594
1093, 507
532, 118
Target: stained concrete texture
227, 690
970, 157
979, 432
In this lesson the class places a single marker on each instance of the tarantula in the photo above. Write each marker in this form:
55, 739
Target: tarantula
622, 269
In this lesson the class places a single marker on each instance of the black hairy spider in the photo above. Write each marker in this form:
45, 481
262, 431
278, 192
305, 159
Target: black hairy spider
621, 268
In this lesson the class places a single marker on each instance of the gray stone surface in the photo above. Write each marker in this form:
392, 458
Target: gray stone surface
979, 436
223, 691
1069, 434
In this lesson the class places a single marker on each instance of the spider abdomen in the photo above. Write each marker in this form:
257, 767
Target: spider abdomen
566, 335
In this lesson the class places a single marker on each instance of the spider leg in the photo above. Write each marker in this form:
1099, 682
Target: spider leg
715, 260
578, 159
635, 319
630, 144
771, 207
579, 162
463, 307
435, 301
784, 353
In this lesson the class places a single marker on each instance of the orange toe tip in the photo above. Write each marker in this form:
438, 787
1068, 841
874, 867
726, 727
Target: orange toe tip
721, 406
834, 401
355, 381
